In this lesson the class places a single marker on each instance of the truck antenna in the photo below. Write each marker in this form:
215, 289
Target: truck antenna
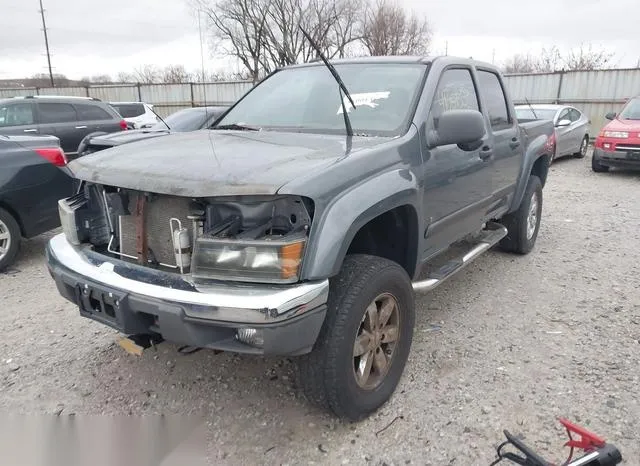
531, 108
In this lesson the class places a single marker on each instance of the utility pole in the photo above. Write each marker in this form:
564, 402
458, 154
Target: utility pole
46, 43
493, 57
446, 47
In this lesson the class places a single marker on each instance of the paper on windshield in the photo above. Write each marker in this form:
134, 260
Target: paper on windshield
367, 99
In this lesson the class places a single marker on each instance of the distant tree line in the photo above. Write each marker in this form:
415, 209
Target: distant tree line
583, 58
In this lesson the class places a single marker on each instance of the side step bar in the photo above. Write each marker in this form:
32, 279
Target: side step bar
489, 236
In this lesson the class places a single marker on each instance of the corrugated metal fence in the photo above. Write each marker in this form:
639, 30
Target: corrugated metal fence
166, 98
593, 92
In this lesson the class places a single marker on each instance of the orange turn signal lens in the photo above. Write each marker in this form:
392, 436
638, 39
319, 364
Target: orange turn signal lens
290, 259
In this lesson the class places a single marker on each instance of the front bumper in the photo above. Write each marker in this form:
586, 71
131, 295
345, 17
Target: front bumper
617, 158
135, 299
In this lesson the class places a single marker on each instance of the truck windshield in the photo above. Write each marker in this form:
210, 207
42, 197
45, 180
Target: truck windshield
631, 111
307, 99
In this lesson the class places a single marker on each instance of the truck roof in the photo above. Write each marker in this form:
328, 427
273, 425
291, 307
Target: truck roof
399, 59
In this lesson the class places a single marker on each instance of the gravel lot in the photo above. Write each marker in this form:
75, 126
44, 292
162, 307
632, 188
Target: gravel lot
512, 342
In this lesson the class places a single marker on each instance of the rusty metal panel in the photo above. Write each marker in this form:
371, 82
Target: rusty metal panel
64, 91
127, 93
537, 88
21, 91
159, 94
601, 86
220, 93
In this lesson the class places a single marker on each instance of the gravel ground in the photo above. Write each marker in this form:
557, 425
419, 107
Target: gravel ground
512, 342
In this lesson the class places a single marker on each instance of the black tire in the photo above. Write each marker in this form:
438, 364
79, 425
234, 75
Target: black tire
327, 375
9, 228
584, 147
518, 239
596, 166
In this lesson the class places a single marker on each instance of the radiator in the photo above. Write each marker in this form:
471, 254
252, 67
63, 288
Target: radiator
159, 212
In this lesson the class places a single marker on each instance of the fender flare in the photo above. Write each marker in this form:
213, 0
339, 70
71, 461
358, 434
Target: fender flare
334, 229
535, 151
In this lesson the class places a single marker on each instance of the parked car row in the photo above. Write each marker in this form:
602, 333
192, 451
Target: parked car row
38, 135
572, 127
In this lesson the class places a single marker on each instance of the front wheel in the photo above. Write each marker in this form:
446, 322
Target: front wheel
523, 224
584, 145
364, 343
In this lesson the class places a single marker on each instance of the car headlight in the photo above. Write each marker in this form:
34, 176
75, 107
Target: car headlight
616, 134
270, 261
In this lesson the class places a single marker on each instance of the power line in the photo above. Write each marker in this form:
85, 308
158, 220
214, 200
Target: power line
46, 43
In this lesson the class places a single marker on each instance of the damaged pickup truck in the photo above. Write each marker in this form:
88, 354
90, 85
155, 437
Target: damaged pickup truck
305, 220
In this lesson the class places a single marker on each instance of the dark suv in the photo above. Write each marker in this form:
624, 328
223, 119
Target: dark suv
70, 119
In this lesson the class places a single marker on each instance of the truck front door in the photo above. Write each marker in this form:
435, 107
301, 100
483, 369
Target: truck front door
456, 182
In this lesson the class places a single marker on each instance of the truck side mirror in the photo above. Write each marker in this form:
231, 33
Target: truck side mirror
461, 127
610, 116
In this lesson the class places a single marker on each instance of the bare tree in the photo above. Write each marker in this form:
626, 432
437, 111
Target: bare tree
238, 28
520, 64
265, 34
551, 60
174, 74
586, 58
100, 79
390, 30
147, 74
124, 77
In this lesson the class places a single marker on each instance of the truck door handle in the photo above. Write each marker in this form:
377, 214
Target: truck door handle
81, 127
514, 143
485, 153
32, 130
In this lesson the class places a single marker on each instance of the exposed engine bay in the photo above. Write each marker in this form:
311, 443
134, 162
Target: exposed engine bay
162, 231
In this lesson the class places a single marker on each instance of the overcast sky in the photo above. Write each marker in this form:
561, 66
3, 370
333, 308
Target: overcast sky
88, 37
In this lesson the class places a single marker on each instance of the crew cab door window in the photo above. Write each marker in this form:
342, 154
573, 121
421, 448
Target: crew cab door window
495, 100
506, 142
455, 92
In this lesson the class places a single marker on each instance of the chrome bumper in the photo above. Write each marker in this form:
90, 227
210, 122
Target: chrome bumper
223, 302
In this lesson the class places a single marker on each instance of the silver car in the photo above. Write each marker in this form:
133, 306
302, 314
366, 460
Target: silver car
572, 126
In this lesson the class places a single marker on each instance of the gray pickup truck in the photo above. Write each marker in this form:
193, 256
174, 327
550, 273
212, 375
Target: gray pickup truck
305, 220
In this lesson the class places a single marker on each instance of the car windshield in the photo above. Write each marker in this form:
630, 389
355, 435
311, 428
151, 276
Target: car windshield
189, 119
307, 99
631, 111
525, 113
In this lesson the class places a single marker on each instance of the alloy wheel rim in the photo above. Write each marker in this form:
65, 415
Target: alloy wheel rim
376, 341
5, 239
583, 148
532, 217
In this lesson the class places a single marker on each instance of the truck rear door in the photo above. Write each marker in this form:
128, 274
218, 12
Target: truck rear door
508, 149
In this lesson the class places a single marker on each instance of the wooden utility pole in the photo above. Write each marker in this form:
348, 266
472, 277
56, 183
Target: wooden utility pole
46, 43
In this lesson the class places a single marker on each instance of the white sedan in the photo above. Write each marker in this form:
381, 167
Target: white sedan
572, 126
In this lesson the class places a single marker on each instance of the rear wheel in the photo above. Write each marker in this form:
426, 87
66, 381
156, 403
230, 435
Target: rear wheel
364, 343
523, 224
584, 145
9, 239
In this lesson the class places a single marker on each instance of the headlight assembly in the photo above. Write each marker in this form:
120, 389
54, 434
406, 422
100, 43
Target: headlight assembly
271, 261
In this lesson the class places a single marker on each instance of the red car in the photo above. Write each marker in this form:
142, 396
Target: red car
618, 144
